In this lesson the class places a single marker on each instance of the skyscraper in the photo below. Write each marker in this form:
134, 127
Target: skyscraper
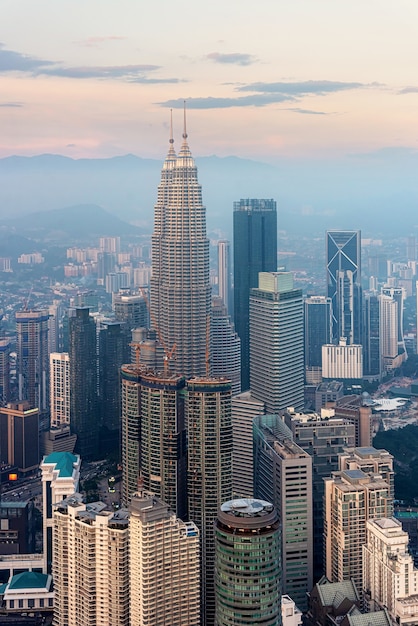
225, 347
84, 415
372, 362
208, 420
111, 343
283, 476
180, 287
164, 565
60, 389
255, 250
247, 541
4, 371
343, 257
32, 358
130, 430
318, 329
276, 342
224, 273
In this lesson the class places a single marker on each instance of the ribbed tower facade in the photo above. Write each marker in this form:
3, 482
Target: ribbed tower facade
180, 287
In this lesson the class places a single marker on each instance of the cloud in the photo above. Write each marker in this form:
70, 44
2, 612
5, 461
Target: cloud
11, 105
258, 100
94, 42
408, 90
304, 88
307, 111
11, 61
236, 58
104, 72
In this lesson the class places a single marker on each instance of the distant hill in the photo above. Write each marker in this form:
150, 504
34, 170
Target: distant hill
74, 222
354, 191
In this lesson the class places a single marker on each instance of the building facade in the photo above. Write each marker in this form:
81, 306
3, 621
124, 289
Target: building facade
255, 250
180, 286
318, 331
224, 274
209, 480
164, 565
276, 342
342, 362
59, 368
248, 573
225, 347
283, 476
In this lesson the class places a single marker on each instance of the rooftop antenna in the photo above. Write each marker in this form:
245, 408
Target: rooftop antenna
184, 120
171, 126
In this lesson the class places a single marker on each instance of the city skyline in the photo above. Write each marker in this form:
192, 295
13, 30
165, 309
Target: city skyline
307, 79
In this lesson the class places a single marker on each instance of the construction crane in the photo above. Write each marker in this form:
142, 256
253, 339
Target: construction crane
25, 308
168, 354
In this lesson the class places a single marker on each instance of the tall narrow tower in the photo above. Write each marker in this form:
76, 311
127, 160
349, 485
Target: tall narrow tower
32, 358
180, 287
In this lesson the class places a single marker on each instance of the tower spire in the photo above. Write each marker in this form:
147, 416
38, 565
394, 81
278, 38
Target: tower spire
185, 150
171, 156
184, 121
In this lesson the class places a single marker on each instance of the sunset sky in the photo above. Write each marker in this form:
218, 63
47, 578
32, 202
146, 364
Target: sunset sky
263, 80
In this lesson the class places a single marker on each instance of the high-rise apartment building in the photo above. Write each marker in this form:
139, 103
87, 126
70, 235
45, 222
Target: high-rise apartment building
390, 579
130, 430
60, 479
163, 447
255, 250
91, 564
370, 461
343, 258
398, 295
224, 273
244, 409
84, 415
351, 498
323, 437
283, 476
59, 364
276, 342
32, 358
247, 543
180, 287
209, 484
225, 347
164, 565
109, 244
388, 332
318, 331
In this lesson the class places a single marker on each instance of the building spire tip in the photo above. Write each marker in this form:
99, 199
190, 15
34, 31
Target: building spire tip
184, 120
171, 127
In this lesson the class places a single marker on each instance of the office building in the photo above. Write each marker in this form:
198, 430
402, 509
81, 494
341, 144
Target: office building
248, 572
131, 310
343, 361
91, 564
351, 498
283, 476
32, 358
255, 250
244, 409
343, 258
209, 483
225, 347
60, 479
390, 579
4, 371
56, 314
164, 565
224, 274
327, 393
19, 436
17, 528
397, 294
84, 414
318, 331
372, 362
59, 368
323, 436
111, 356
180, 287
130, 430
163, 446
276, 342
388, 332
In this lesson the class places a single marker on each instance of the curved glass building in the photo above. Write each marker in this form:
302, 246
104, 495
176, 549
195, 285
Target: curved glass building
248, 567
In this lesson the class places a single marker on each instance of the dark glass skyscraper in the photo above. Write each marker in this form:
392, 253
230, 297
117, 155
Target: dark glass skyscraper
83, 382
343, 254
255, 250
317, 318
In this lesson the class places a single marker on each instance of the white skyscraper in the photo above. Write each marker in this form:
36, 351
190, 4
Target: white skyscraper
224, 272
180, 287
276, 342
59, 389
164, 565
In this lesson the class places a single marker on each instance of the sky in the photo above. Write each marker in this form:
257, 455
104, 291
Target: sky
265, 80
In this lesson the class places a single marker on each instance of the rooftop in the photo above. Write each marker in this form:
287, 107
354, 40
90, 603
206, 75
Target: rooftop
64, 462
29, 580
